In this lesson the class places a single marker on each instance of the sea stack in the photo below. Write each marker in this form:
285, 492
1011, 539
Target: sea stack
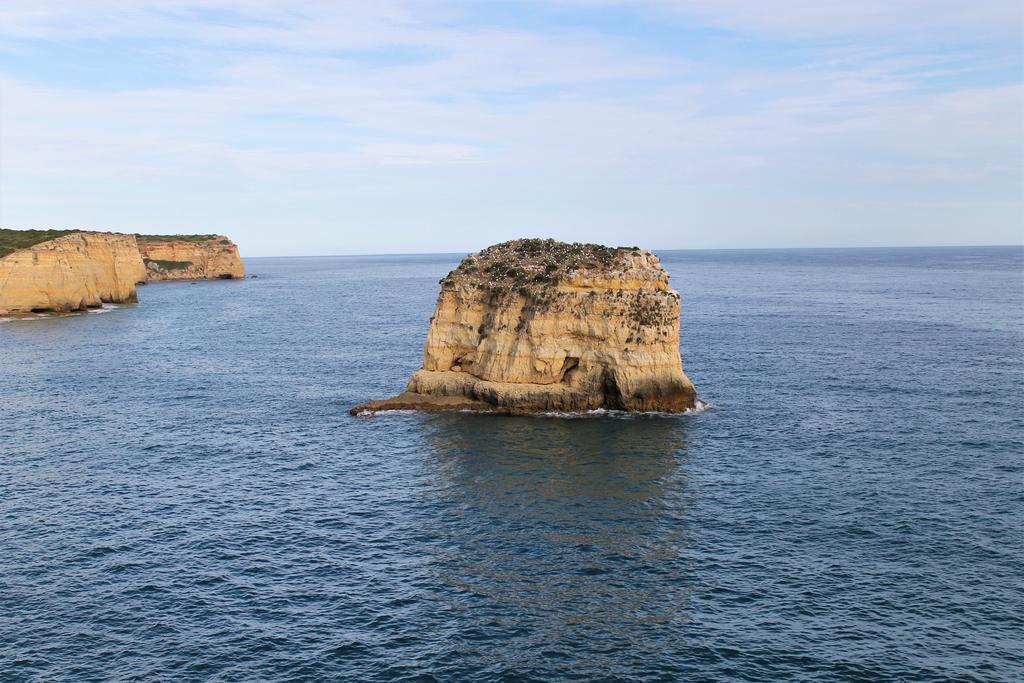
538, 325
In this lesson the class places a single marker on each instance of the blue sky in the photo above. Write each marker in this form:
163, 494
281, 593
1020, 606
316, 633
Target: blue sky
306, 128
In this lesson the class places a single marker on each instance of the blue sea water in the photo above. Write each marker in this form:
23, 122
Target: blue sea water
184, 497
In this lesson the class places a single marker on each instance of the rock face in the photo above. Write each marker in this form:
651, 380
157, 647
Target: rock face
71, 273
203, 257
539, 325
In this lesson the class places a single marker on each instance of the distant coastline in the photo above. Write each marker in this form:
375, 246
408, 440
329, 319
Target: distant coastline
63, 271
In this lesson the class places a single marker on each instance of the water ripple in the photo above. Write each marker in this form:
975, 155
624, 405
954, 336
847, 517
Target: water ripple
183, 496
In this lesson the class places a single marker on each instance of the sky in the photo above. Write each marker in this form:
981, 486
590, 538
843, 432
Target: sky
393, 126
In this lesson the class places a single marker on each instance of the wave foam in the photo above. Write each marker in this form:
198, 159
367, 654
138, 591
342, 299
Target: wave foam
700, 407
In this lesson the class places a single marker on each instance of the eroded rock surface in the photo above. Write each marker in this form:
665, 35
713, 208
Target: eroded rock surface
71, 273
539, 325
206, 257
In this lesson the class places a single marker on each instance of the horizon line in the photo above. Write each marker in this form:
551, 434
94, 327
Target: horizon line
656, 251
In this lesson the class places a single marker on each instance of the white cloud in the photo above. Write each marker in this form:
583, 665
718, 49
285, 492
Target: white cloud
560, 115
418, 155
909, 19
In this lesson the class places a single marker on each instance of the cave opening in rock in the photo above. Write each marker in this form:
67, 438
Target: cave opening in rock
612, 393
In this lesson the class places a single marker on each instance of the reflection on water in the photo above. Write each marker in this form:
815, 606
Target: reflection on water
562, 531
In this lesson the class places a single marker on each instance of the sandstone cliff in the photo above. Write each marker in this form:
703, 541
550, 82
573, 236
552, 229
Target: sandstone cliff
190, 257
70, 273
539, 325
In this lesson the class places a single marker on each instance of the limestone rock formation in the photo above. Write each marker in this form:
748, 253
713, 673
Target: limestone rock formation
190, 257
539, 325
70, 273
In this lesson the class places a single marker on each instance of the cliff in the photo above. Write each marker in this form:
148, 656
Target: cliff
190, 257
70, 273
539, 325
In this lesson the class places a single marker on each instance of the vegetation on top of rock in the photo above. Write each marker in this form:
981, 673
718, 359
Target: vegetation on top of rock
178, 238
520, 263
160, 264
13, 240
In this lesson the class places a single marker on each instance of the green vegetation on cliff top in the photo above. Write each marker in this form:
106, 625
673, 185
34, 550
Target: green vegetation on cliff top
12, 240
532, 269
526, 262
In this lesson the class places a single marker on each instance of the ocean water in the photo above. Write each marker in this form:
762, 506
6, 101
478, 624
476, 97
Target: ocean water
184, 497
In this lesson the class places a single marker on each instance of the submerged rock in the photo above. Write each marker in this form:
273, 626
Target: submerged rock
538, 325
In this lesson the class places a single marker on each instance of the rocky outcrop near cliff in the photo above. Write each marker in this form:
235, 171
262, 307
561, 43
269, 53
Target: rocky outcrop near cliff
70, 273
190, 257
539, 325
